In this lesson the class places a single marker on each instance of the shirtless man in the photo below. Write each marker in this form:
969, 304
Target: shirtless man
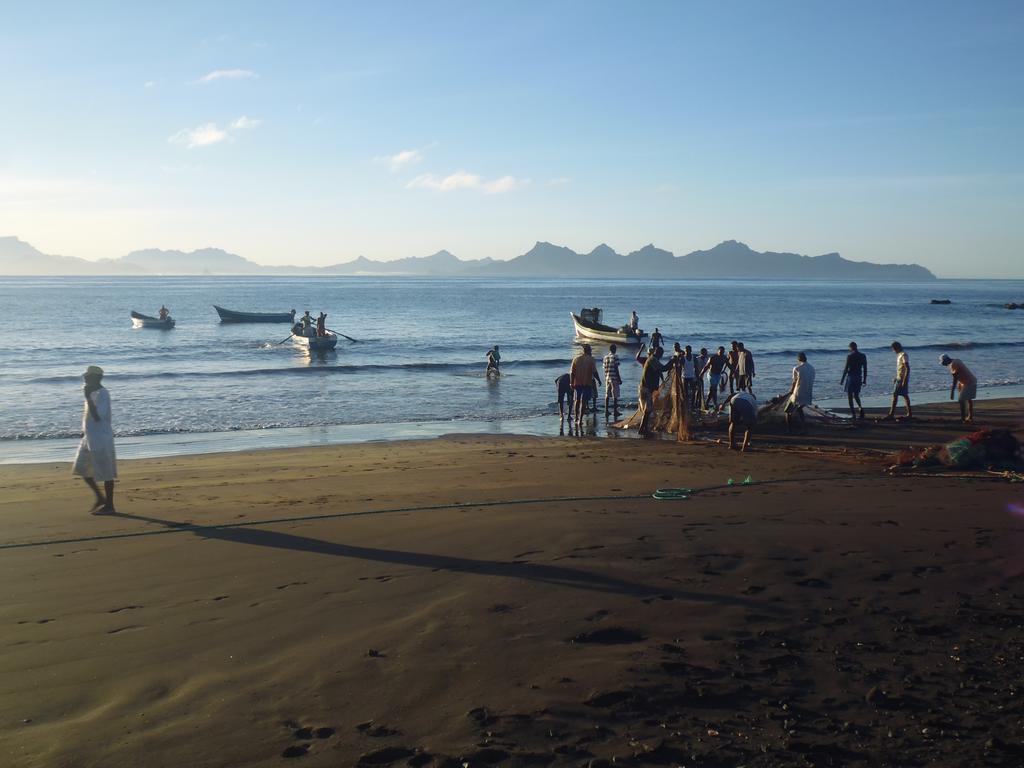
582, 374
650, 380
733, 363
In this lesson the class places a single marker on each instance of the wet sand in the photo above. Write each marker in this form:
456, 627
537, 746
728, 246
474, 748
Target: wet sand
824, 614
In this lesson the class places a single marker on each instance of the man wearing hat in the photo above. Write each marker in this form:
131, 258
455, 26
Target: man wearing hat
966, 381
95, 461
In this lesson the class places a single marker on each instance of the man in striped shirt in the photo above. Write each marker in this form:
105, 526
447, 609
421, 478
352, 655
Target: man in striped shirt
612, 381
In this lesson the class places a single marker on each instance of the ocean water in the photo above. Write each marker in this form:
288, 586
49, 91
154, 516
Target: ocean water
421, 345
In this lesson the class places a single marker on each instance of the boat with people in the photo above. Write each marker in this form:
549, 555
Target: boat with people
232, 316
324, 343
140, 320
589, 326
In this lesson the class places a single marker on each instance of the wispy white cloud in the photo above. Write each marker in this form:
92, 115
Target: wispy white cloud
205, 135
227, 74
149, 84
245, 122
402, 159
558, 181
466, 180
208, 134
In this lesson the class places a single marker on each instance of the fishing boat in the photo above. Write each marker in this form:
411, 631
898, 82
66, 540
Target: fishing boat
140, 320
316, 343
231, 316
589, 326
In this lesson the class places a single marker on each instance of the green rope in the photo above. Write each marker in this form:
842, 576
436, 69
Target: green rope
662, 494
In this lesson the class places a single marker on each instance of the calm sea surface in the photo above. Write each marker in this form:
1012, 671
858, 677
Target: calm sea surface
421, 353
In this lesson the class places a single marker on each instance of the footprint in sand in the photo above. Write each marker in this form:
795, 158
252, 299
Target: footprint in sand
377, 731
609, 636
387, 756
129, 628
813, 583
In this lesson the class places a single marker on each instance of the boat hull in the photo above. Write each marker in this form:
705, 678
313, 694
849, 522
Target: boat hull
231, 316
597, 332
140, 320
317, 343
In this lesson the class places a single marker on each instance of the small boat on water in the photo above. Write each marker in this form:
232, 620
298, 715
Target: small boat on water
231, 316
323, 343
140, 320
589, 326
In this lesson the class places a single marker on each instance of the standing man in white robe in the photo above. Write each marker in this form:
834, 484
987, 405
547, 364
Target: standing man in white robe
95, 461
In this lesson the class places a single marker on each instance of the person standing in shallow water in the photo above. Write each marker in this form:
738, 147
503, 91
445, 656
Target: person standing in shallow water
95, 461
493, 362
612, 381
855, 375
582, 374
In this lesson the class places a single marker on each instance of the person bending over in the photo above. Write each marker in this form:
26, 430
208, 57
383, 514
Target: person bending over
967, 383
742, 415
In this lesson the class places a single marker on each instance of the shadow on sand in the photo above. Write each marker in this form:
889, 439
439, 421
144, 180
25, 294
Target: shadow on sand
516, 569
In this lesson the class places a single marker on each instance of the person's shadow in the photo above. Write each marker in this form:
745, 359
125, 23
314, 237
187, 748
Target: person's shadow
248, 533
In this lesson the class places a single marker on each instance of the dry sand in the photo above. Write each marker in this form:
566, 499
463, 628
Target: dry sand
827, 614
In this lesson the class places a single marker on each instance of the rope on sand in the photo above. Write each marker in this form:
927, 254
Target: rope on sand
667, 494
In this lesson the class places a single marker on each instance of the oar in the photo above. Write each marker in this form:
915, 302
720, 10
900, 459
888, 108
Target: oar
339, 333
282, 341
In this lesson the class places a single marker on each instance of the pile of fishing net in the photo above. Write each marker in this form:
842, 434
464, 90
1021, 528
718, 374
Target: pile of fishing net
984, 449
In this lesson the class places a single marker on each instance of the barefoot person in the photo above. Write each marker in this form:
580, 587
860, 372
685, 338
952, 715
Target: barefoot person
966, 381
563, 387
744, 368
801, 393
742, 415
612, 381
95, 461
713, 369
901, 383
855, 375
582, 374
650, 380
733, 365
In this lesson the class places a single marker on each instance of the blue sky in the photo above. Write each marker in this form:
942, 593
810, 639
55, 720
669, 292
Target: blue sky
316, 132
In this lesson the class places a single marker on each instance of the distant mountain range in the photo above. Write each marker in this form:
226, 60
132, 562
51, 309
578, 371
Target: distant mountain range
730, 259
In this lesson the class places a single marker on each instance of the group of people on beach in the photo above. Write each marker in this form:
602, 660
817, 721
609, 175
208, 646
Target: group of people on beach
96, 462
704, 376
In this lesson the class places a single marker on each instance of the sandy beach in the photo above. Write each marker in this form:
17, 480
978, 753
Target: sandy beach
519, 601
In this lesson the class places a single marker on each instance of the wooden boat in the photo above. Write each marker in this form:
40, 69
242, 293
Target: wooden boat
588, 326
316, 343
140, 320
231, 316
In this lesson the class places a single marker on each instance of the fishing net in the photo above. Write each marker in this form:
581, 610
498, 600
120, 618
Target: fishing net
986, 448
668, 413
